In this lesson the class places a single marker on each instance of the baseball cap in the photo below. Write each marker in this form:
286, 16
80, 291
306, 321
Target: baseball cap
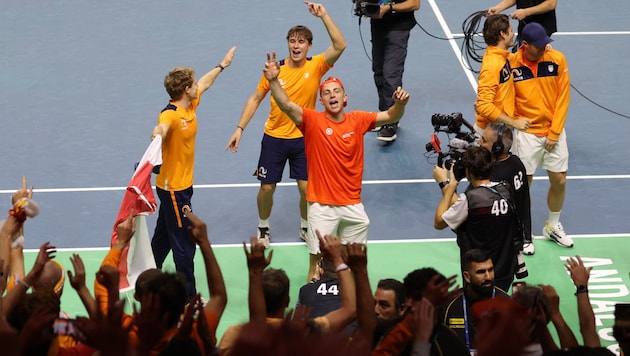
535, 34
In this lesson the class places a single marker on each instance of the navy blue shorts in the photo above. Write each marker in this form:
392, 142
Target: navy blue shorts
274, 153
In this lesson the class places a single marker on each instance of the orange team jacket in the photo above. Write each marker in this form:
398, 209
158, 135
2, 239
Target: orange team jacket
334, 152
112, 259
495, 91
542, 91
301, 85
178, 148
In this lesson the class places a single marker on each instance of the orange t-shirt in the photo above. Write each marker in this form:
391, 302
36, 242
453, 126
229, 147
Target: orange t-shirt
334, 154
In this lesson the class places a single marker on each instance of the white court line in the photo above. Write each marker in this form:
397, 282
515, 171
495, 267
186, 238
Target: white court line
370, 242
471, 79
284, 184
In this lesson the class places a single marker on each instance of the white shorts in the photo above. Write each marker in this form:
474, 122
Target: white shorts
531, 150
348, 222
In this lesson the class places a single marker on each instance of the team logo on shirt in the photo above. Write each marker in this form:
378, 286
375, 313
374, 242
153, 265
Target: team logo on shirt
282, 82
329, 131
550, 68
184, 124
307, 75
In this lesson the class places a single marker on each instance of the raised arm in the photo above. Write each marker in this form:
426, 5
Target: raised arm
396, 111
366, 318
580, 276
331, 250
271, 71
338, 45
216, 285
256, 264
565, 334
205, 82
449, 194
77, 281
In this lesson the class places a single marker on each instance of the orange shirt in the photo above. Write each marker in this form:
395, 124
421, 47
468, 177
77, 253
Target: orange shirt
543, 92
495, 91
302, 86
178, 148
334, 155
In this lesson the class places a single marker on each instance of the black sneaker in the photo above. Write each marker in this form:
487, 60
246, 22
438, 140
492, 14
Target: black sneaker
388, 133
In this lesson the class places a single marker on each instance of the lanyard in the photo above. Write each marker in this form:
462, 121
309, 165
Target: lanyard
465, 307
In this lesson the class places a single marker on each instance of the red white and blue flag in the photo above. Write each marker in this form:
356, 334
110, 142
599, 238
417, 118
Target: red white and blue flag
137, 257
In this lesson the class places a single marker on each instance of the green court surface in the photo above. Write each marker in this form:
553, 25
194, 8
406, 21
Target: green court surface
606, 254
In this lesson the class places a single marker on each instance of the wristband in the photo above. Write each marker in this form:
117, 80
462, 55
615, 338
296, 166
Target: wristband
581, 289
22, 282
443, 184
220, 66
341, 267
391, 7
240, 127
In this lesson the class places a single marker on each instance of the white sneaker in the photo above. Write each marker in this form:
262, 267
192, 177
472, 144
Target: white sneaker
264, 236
528, 248
303, 233
557, 235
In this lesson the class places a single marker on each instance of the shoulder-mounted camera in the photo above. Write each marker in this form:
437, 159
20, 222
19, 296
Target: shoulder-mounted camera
369, 8
451, 125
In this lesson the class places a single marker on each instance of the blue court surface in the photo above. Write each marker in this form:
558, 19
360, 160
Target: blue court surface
81, 88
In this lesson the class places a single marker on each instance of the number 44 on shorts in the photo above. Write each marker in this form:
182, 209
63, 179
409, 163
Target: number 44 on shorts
323, 290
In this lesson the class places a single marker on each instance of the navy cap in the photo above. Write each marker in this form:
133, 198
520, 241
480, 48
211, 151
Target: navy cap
535, 34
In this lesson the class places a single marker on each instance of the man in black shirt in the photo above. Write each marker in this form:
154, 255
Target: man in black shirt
508, 167
478, 273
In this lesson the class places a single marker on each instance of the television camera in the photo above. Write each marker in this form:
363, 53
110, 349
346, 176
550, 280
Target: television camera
369, 8
451, 124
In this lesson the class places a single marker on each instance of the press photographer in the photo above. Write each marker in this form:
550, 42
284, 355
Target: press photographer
483, 216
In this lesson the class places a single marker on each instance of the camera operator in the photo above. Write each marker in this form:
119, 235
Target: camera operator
390, 28
483, 216
497, 138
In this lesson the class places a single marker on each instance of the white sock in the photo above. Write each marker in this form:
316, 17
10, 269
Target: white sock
554, 218
263, 222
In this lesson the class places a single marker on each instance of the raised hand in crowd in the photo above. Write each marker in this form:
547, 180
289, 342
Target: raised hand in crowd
77, 281
580, 275
565, 335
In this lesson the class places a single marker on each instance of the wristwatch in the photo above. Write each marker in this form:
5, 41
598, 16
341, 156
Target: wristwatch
581, 289
443, 184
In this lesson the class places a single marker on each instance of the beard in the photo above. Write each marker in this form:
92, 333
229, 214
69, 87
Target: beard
485, 290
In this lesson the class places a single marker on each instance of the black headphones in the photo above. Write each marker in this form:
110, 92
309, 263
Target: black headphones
497, 146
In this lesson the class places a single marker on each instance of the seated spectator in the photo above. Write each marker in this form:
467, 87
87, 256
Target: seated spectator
419, 284
269, 293
389, 306
478, 274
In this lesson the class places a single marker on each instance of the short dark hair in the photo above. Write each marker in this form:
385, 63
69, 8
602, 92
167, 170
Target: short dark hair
474, 255
171, 287
492, 28
397, 287
416, 281
275, 289
478, 161
300, 31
